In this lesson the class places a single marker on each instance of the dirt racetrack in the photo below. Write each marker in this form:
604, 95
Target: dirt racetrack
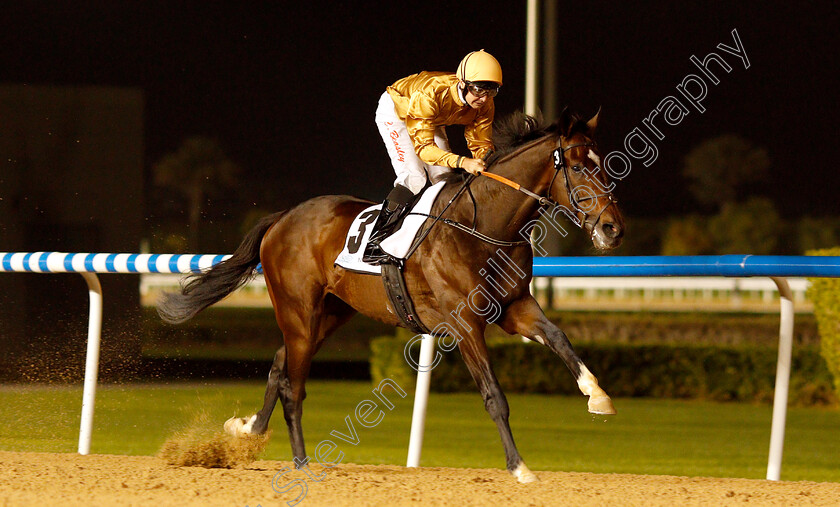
70, 479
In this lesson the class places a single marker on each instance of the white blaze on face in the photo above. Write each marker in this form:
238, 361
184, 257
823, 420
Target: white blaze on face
594, 157
598, 239
597, 235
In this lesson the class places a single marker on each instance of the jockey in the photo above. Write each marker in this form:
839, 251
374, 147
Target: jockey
411, 118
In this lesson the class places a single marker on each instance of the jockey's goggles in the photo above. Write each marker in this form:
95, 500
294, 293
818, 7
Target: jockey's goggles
482, 88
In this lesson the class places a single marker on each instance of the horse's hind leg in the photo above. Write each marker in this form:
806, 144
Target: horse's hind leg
287, 378
474, 352
527, 318
286, 382
278, 382
325, 317
291, 389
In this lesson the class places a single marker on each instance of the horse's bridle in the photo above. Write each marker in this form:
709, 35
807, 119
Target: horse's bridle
559, 157
559, 164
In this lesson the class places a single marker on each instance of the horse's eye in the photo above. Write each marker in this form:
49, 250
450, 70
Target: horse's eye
577, 168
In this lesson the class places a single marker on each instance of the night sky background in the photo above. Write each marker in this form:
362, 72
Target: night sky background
289, 90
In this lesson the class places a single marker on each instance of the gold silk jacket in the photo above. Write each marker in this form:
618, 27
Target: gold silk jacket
429, 100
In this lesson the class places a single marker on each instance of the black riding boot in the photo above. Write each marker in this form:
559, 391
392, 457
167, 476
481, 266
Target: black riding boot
394, 208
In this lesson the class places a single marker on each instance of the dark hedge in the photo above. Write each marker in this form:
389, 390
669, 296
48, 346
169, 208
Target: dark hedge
742, 373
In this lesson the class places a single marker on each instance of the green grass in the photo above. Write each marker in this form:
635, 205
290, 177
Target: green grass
648, 436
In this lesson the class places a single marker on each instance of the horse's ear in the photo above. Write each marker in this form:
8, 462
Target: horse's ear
592, 124
565, 121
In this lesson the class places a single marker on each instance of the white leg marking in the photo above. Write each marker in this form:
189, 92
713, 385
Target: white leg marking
239, 426
539, 339
587, 381
249, 425
524, 475
599, 402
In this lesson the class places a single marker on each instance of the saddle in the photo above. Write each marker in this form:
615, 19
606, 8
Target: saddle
399, 245
403, 242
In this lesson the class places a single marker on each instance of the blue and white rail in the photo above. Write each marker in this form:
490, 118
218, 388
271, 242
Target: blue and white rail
776, 267
61, 262
88, 265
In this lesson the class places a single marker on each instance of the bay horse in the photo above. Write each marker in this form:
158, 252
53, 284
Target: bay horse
312, 296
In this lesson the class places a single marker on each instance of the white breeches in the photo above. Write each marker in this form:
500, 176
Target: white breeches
411, 171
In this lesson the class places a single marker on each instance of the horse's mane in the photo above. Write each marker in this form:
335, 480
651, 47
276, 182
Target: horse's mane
518, 129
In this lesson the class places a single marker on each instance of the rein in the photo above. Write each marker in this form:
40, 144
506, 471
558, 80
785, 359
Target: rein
560, 164
472, 232
558, 155
458, 225
426, 232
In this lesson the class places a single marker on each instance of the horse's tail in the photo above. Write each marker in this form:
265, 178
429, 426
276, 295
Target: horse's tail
202, 290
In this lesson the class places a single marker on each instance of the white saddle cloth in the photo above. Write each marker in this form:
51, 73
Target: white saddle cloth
397, 244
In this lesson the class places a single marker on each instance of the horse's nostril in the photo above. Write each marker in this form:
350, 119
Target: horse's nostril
612, 231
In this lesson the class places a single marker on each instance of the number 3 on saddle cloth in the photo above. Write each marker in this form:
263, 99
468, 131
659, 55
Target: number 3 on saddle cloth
397, 245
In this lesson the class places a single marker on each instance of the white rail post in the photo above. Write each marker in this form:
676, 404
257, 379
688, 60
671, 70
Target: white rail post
531, 44
780, 394
91, 361
421, 400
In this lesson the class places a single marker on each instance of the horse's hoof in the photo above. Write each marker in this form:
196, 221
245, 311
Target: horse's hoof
239, 426
524, 475
602, 405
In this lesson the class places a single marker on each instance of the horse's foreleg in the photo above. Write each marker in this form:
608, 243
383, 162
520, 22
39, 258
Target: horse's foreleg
525, 317
477, 361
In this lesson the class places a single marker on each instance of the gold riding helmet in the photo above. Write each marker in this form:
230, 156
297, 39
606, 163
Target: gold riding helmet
481, 72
